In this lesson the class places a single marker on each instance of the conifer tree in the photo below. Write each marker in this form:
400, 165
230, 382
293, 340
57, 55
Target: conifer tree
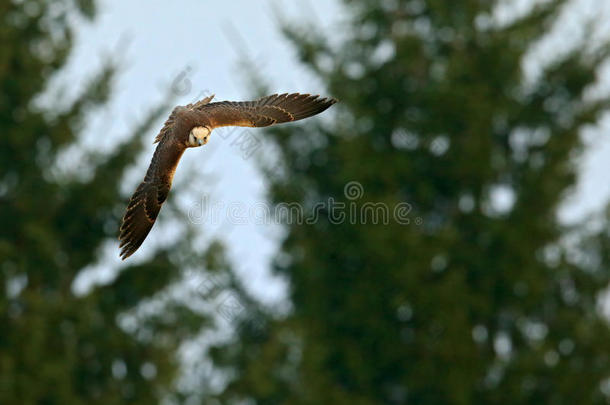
58, 347
478, 299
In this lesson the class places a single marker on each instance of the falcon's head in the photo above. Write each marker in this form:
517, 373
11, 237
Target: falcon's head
198, 136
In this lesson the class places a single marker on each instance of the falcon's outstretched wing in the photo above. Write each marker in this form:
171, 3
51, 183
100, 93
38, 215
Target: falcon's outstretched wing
145, 203
265, 111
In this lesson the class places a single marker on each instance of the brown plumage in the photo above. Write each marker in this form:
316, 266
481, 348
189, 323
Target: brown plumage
190, 126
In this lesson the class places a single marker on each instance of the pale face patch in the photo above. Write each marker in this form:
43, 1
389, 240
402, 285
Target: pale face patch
198, 136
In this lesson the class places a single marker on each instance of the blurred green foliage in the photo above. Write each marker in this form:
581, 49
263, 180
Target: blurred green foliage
472, 301
481, 303
57, 347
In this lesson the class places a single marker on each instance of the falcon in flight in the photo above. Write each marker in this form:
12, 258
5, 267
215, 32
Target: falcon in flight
190, 127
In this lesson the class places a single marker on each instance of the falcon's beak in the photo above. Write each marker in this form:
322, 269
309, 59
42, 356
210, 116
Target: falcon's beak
199, 142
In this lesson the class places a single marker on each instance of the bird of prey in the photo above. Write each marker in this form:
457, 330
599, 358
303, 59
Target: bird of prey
189, 127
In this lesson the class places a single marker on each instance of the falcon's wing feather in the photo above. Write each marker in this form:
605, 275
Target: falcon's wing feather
142, 210
266, 111
167, 127
199, 104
